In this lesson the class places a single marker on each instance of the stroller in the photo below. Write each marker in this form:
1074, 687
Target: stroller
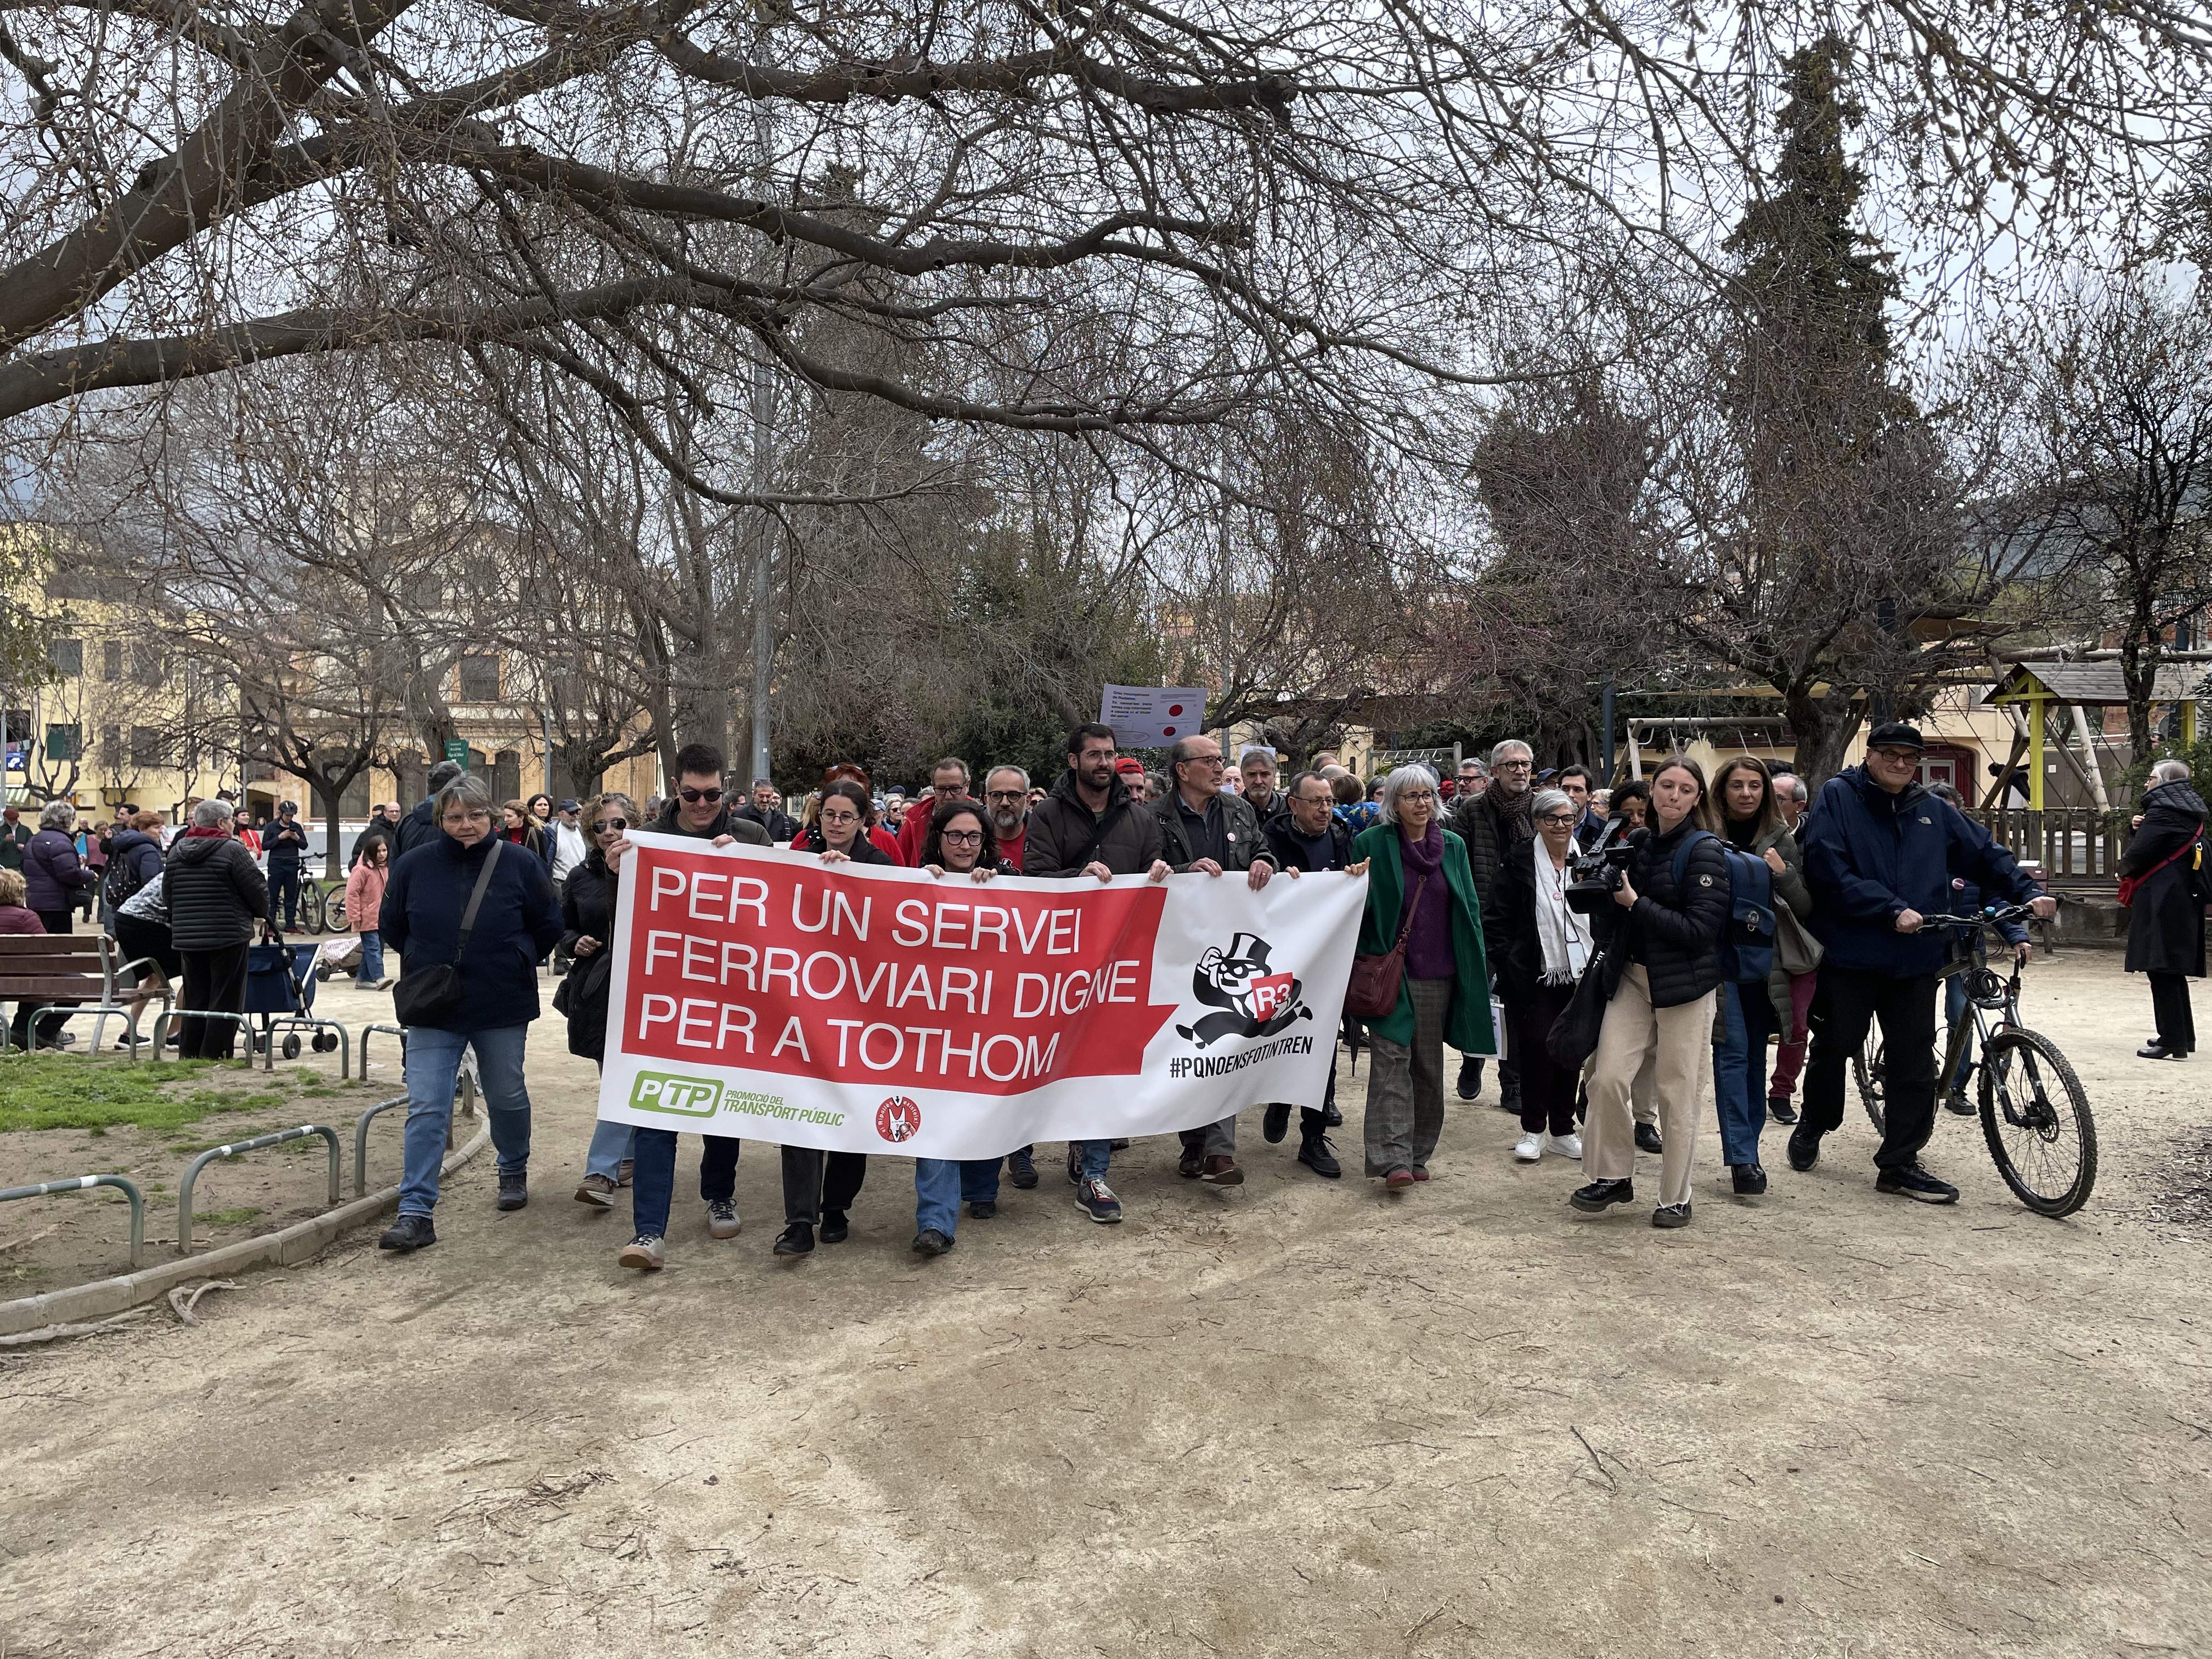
280, 989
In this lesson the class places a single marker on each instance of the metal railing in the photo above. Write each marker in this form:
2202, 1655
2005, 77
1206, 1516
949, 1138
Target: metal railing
2078, 847
192, 1171
464, 1106
123, 1184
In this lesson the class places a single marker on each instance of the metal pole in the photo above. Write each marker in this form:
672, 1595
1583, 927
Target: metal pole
546, 710
1605, 721
763, 401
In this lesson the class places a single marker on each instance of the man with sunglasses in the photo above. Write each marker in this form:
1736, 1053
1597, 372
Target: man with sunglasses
696, 809
1205, 828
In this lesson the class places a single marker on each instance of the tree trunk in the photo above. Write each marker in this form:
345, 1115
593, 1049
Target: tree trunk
2138, 675
1823, 727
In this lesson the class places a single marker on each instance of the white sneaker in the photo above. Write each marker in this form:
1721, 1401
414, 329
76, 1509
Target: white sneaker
1527, 1149
1567, 1145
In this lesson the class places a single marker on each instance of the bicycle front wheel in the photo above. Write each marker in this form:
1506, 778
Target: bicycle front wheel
2038, 1123
1868, 1074
334, 911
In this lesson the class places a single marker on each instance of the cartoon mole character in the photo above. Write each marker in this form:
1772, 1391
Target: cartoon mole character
1252, 1001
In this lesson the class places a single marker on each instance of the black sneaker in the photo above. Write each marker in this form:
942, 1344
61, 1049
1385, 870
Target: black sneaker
2156, 1050
1192, 1163
409, 1232
1956, 1101
1315, 1154
513, 1189
797, 1239
1916, 1184
1470, 1078
1277, 1123
833, 1230
1602, 1195
1780, 1108
1672, 1215
1023, 1168
930, 1241
1074, 1164
982, 1209
1647, 1139
1750, 1181
1331, 1117
1804, 1147
1095, 1200
1509, 1102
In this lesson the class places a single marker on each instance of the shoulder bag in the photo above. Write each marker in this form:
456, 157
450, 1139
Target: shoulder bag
432, 995
1573, 1036
1795, 950
1372, 991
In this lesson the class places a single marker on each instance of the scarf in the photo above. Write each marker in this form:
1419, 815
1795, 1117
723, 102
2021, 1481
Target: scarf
1564, 935
209, 832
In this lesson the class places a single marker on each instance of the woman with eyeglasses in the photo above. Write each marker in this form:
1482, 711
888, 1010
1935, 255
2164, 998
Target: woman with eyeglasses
840, 829
1541, 946
1662, 936
587, 916
1419, 886
959, 845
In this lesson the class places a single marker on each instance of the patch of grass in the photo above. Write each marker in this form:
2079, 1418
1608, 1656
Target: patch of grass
237, 1217
55, 1092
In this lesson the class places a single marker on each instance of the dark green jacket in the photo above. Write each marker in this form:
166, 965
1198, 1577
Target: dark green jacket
1246, 840
1468, 1024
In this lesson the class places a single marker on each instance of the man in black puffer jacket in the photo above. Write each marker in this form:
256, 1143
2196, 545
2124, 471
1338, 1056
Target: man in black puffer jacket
217, 897
1492, 824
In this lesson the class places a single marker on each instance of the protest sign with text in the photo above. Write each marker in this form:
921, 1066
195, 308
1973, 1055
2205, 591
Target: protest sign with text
864, 1008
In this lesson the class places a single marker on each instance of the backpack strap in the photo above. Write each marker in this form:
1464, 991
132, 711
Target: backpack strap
1099, 832
1682, 854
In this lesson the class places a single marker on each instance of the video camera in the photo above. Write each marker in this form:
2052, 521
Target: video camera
1597, 873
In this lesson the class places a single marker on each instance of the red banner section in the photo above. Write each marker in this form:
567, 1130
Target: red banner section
790, 966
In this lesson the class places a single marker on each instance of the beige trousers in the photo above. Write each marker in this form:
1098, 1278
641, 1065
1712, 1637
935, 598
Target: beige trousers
1678, 1044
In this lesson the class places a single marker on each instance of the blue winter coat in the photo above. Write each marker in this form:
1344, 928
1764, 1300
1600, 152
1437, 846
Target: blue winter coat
518, 923
1870, 855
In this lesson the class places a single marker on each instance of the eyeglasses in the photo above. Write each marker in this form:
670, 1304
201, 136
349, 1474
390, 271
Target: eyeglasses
1559, 820
1206, 760
694, 796
841, 818
1417, 794
1512, 766
601, 826
962, 837
1006, 794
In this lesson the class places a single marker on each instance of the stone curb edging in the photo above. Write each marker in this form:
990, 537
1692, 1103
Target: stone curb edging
297, 1242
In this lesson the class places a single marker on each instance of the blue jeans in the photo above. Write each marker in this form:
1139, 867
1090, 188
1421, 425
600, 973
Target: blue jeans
1740, 1070
653, 1182
434, 1065
1954, 1009
942, 1185
612, 1145
1096, 1155
372, 958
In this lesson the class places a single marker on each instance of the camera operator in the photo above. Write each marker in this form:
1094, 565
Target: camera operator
1662, 968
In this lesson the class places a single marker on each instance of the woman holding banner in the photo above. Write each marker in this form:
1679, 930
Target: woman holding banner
1419, 890
959, 833
587, 910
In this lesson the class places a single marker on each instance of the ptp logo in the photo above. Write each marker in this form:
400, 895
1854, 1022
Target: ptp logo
676, 1095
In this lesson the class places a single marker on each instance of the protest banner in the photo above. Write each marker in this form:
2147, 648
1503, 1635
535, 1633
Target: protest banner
872, 1009
1151, 716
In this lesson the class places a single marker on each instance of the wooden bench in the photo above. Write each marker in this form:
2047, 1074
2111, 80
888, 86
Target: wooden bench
76, 970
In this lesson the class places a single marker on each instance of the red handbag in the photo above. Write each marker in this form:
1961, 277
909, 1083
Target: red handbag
1371, 992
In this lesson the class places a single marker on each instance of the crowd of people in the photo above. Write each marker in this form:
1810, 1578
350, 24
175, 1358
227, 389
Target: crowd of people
1468, 896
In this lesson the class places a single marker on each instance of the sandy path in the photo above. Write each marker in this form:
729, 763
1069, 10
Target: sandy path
1296, 1418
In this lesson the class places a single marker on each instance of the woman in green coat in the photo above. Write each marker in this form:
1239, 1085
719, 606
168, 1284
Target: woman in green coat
1444, 996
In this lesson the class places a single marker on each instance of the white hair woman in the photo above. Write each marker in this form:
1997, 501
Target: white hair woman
52, 872
1542, 945
516, 922
1420, 890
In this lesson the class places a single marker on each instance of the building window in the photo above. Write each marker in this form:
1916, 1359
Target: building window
480, 679
148, 665
146, 745
67, 655
111, 660
65, 743
111, 745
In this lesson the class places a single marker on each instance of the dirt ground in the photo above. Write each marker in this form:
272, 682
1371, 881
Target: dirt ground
1295, 1418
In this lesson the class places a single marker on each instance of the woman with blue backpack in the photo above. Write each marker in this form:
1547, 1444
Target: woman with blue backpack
1662, 935
1750, 821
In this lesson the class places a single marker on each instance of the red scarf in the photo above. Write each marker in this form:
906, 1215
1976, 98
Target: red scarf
200, 832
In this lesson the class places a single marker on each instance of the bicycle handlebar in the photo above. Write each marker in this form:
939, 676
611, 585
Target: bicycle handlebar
1992, 919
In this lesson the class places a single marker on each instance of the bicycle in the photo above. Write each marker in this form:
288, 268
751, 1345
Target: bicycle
2030, 1096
